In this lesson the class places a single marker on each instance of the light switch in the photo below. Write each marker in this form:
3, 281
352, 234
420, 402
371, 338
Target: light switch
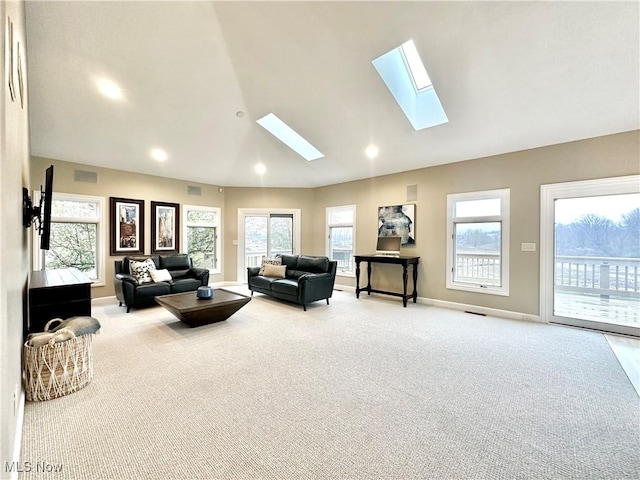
528, 247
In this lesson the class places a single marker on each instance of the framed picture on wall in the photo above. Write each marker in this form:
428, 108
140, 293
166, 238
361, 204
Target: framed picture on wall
126, 219
165, 227
398, 221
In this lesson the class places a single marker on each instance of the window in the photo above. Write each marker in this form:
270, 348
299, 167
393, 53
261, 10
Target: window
201, 236
341, 237
76, 236
266, 232
478, 241
590, 254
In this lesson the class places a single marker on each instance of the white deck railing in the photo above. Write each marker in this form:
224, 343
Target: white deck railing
481, 268
600, 275
342, 256
254, 259
582, 274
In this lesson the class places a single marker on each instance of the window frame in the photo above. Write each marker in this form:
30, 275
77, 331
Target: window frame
503, 218
218, 226
241, 269
39, 255
329, 225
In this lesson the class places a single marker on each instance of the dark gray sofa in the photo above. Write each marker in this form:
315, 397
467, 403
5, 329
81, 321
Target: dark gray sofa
307, 279
184, 278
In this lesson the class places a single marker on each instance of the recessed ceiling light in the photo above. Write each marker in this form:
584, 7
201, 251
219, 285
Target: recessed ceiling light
159, 154
260, 169
109, 88
371, 151
239, 114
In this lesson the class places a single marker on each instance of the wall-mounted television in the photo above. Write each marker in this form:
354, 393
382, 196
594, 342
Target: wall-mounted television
39, 215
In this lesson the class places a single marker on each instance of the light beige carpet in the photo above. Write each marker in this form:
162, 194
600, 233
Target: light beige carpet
359, 389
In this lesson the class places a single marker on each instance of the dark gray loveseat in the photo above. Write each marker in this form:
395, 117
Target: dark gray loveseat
184, 278
307, 279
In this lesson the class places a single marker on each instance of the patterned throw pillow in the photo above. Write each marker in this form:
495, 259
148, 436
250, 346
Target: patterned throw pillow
140, 270
269, 261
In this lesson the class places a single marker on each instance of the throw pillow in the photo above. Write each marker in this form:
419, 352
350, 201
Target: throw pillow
276, 271
160, 275
269, 261
140, 270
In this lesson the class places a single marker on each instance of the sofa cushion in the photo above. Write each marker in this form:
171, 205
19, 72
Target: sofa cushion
180, 274
295, 274
313, 264
261, 282
140, 270
285, 286
160, 275
269, 261
184, 285
178, 261
290, 261
153, 289
276, 271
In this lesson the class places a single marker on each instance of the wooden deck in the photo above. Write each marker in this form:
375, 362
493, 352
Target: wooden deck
621, 311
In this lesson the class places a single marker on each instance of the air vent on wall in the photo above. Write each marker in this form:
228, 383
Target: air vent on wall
412, 193
85, 176
191, 190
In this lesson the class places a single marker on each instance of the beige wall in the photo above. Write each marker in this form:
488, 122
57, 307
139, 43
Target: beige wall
14, 239
293, 198
522, 172
116, 183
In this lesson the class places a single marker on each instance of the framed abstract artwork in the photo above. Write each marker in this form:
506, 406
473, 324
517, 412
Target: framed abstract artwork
126, 219
398, 221
165, 227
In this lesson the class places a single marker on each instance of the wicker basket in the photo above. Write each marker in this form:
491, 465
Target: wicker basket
57, 369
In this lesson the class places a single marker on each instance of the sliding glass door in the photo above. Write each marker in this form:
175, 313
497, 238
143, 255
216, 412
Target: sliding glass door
591, 255
265, 233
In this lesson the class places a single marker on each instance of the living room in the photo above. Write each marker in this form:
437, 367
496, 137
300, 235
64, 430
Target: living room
611, 151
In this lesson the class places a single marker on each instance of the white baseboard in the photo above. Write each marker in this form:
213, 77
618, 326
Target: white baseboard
493, 312
344, 288
17, 444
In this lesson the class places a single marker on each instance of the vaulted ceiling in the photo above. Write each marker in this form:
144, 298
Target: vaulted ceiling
510, 76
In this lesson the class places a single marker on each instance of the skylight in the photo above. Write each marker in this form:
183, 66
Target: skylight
416, 68
289, 137
407, 79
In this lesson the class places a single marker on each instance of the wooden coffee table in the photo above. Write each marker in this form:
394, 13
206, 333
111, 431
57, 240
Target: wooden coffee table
196, 311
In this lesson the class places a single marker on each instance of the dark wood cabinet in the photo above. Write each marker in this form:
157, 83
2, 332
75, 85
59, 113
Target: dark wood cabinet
59, 293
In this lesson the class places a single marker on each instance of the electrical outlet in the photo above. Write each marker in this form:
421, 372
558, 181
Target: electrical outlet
528, 247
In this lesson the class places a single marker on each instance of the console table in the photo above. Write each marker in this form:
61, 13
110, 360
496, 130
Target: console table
60, 293
401, 260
